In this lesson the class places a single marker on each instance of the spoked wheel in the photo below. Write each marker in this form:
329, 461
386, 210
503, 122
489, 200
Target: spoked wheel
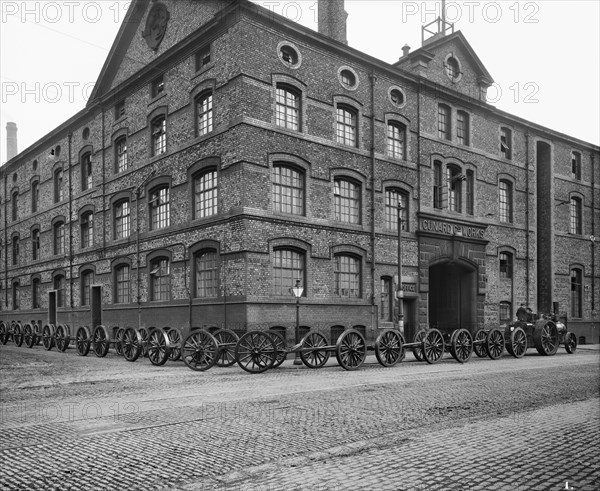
175, 338
227, 341
570, 342
158, 347
351, 349
145, 336
389, 348
83, 341
282, 352
119, 340
48, 336
417, 351
3, 332
62, 338
18, 334
479, 343
433, 346
318, 355
100, 341
461, 348
200, 350
28, 335
494, 343
255, 352
545, 338
517, 345
131, 344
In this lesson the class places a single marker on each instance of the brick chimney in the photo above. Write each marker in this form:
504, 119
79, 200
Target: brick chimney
332, 19
11, 141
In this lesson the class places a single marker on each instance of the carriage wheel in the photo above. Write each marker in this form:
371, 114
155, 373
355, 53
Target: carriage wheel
517, 346
119, 340
28, 335
18, 334
62, 337
494, 343
433, 346
351, 349
227, 340
3, 332
144, 338
100, 341
570, 342
480, 344
417, 351
255, 352
545, 338
389, 348
317, 356
131, 345
461, 348
281, 351
48, 336
175, 337
158, 347
82, 341
200, 350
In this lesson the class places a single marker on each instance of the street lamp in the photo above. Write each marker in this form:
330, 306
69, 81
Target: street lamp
400, 292
297, 291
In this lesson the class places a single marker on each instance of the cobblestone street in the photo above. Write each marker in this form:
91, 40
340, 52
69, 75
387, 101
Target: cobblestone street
74, 423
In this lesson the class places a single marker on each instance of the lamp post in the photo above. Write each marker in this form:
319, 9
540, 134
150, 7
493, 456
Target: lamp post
400, 291
297, 291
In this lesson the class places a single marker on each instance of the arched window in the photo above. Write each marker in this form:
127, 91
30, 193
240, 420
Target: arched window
16, 295
204, 113
121, 154
35, 244
437, 184
347, 276
288, 266
505, 201
444, 122
87, 229
59, 238
455, 184
576, 216
86, 280
59, 286
160, 279
452, 68
288, 189
86, 171
346, 201
15, 250
396, 140
287, 102
206, 193
15, 205
347, 125
392, 198
122, 219
35, 196
576, 292
207, 273
470, 192
159, 208
506, 265
36, 293
58, 185
159, 135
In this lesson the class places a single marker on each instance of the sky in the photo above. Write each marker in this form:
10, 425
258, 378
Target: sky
544, 55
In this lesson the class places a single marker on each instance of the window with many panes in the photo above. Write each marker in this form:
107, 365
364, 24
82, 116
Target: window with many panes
159, 208
576, 292
444, 122
36, 293
576, 166
35, 196
122, 284
15, 250
576, 216
122, 219
505, 201
396, 140
505, 312
207, 273
347, 126
346, 196
204, 113
59, 286
287, 104
86, 279
455, 180
506, 265
160, 279
59, 238
58, 185
437, 184
206, 194
86, 171
347, 276
159, 135
121, 154
393, 197
288, 266
35, 244
506, 142
288, 190
462, 127
87, 229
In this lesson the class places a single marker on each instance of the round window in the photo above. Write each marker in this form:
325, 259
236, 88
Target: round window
347, 79
397, 97
289, 55
86, 133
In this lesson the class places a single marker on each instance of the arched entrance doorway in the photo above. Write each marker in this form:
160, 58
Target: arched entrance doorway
453, 296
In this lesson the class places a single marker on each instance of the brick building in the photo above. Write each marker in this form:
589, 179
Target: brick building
227, 152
